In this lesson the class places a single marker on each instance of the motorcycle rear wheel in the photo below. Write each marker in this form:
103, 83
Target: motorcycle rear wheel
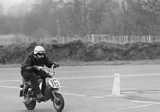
58, 102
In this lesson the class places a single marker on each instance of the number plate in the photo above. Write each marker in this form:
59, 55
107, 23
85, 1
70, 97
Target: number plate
54, 83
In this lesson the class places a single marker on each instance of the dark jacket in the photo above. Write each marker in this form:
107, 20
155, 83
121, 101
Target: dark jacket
31, 61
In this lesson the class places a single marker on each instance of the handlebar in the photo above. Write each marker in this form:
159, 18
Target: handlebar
47, 70
51, 70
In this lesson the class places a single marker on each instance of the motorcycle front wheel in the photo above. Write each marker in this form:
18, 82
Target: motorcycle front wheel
31, 105
58, 101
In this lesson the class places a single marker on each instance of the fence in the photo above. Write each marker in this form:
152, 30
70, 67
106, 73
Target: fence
89, 38
110, 39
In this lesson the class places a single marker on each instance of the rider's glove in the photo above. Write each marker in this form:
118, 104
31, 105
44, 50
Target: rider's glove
56, 65
49, 76
38, 67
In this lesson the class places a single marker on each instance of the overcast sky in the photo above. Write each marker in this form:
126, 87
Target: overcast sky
8, 3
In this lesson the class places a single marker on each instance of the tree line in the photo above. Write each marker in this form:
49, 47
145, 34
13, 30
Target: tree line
82, 17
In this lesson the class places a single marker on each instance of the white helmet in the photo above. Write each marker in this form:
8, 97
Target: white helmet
39, 49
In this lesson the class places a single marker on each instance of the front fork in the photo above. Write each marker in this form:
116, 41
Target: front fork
53, 92
21, 92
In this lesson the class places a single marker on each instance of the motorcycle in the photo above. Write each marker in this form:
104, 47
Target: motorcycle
50, 92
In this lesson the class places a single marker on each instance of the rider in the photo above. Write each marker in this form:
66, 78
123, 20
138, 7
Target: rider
31, 69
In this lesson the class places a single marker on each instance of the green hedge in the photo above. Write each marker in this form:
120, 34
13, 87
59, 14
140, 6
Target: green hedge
79, 51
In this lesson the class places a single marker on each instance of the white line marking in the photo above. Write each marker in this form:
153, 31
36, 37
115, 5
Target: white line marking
111, 76
10, 87
100, 97
141, 75
84, 77
146, 102
95, 77
85, 95
136, 107
74, 94
10, 81
104, 96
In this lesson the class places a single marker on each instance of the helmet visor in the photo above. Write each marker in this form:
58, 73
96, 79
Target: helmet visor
40, 55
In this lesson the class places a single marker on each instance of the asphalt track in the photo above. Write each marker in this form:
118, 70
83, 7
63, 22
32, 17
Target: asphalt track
88, 89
